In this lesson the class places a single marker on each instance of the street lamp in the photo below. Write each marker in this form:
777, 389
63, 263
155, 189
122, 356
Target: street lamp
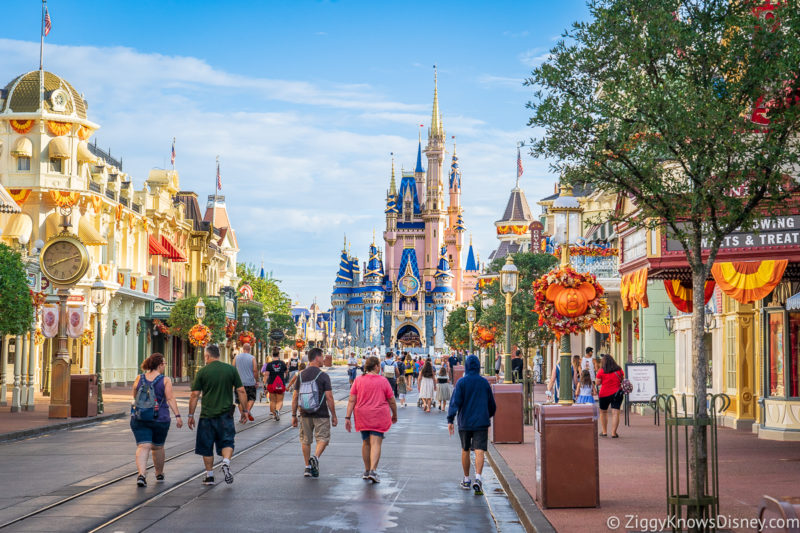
566, 211
269, 338
470, 324
669, 322
199, 314
245, 319
509, 283
99, 299
486, 302
710, 321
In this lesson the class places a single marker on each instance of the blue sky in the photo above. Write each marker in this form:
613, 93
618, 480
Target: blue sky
303, 101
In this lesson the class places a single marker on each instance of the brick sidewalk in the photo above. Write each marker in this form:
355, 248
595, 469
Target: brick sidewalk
633, 481
115, 400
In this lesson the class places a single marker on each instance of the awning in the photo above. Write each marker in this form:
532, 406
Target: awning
633, 290
793, 303
7, 203
58, 148
22, 148
155, 248
88, 234
748, 281
173, 252
681, 295
84, 154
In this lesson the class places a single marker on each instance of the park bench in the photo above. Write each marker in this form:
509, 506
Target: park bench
787, 509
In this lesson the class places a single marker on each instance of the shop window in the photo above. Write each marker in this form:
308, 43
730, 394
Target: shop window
55, 165
23, 163
730, 355
794, 367
777, 354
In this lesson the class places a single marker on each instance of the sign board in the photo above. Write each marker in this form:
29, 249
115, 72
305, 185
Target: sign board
643, 378
778, 231
536, 228
277, 335
161, 308
634, 245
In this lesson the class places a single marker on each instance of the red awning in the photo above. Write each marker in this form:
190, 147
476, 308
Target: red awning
155, 247
172, 251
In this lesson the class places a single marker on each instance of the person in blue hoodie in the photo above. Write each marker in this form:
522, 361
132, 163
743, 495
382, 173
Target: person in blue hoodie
473, 402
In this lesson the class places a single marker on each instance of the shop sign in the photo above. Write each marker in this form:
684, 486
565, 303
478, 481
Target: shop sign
778, 231
643, 378
162, 308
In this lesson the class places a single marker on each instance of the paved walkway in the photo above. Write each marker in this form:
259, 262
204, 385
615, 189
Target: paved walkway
633, 482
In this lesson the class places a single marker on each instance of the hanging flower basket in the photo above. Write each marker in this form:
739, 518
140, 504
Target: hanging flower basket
87, 338
162, 328
38, 337
568, 301
200, 335
483, 337
616, 329
230, 328
300, 344
246, 337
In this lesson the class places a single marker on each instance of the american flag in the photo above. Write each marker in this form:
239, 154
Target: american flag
219, 178
519, 164
172, 155
47, 24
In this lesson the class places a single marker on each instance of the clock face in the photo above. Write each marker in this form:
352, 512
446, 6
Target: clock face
408, 285
64, 261
59, 100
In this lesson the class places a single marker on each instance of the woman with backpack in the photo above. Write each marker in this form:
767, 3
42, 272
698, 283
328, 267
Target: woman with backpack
609, 379
372, 401
275, 382
152, 400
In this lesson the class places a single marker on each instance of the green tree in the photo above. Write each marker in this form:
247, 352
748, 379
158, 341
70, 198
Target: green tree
525, 329
16, 309
456, 330
267, 291
285, 322
686, 107
181, 318
257, 321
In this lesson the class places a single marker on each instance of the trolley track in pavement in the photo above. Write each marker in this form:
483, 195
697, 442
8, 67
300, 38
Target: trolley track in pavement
171, 489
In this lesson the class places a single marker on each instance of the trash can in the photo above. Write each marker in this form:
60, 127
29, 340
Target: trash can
458, 373
83, 395
491, 379
507, 426
565, 438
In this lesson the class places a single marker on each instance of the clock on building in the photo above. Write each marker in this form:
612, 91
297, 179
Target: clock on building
408, 285
59, 100
64, 260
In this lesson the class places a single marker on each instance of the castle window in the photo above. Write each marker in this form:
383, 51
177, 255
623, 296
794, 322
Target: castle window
23, 163
55, 165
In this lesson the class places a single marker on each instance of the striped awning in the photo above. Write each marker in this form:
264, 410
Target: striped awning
7, 203
748, 281
793, 303
155, 247
173, 251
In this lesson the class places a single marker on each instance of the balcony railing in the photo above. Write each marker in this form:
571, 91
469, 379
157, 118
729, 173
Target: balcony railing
602, 267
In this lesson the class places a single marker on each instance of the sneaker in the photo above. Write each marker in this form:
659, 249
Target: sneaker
226, 471
365, 475
373, 476
141, 481
159, 478
250, 417
466, 484
277, 416
208, 480
477, 486
314, 465
307, 472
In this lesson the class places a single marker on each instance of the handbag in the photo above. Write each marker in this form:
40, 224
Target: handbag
624, 384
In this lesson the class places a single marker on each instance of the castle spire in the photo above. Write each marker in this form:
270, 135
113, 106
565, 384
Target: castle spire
419, 155
392, 184
436, 129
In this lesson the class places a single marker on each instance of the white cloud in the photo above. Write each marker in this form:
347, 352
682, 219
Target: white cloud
534, 57
302, 162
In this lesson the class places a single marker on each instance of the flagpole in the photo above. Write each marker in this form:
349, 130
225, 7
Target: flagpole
41, 60
214, 207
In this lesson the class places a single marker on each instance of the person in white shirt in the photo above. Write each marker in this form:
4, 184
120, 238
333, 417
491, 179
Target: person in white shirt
587, 363
352, 365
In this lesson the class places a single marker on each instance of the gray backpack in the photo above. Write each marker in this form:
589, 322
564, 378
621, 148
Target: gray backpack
145, 403
309, 394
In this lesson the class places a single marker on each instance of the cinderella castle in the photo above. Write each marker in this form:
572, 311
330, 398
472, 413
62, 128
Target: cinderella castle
404, 301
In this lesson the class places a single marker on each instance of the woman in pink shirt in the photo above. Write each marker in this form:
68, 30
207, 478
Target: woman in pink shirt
372, 400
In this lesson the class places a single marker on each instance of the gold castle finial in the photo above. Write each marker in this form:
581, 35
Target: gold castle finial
344, 248
392, 183
436, 118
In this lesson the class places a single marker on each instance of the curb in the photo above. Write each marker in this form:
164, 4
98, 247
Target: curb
79, 422
532, 518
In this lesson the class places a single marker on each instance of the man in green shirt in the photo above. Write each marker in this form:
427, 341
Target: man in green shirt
215, 381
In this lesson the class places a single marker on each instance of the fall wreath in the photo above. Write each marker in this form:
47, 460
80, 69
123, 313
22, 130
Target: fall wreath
200, 335
230, 327
246, 337
161, 327
567, 301
483, 337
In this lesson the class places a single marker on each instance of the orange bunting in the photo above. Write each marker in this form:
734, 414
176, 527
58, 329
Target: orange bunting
84, 133
145, 286
633, 290
119, 212
22, 126
104, 271
97, 204
65, 199
509, 229
58, 128
19, 195
120, 278
131, 221
748, 281
681, 295
133, 283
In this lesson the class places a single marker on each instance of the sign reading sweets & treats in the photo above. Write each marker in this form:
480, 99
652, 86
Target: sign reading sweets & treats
778, 231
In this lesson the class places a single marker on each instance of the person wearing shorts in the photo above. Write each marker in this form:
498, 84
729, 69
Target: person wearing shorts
215, 381
247, 367
314, 425
473, 403
609, 380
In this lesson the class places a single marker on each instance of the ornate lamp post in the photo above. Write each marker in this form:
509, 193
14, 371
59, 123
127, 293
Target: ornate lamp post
509, 284
269, 331
567, 222
669, 322
470, 324
486, 302
99, 299
199, 314
245, 319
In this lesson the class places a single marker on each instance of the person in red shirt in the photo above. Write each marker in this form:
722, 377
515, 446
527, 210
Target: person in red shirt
372, 400
609, 381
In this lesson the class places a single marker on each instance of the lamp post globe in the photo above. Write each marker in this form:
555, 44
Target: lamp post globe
99, 299
199, 310
245, 319
509, 283
471, 315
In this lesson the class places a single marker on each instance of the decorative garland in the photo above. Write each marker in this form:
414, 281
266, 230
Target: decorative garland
38, 337
114, 326
589, 251
617, 331
483, 337
37, 298
636, 327
247, 337
161, 327
138, 328
65, 199
230, 328
22, 126
84, 133
19, 195
87, 338
58, 128
561, 294
200, 335
127, 327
